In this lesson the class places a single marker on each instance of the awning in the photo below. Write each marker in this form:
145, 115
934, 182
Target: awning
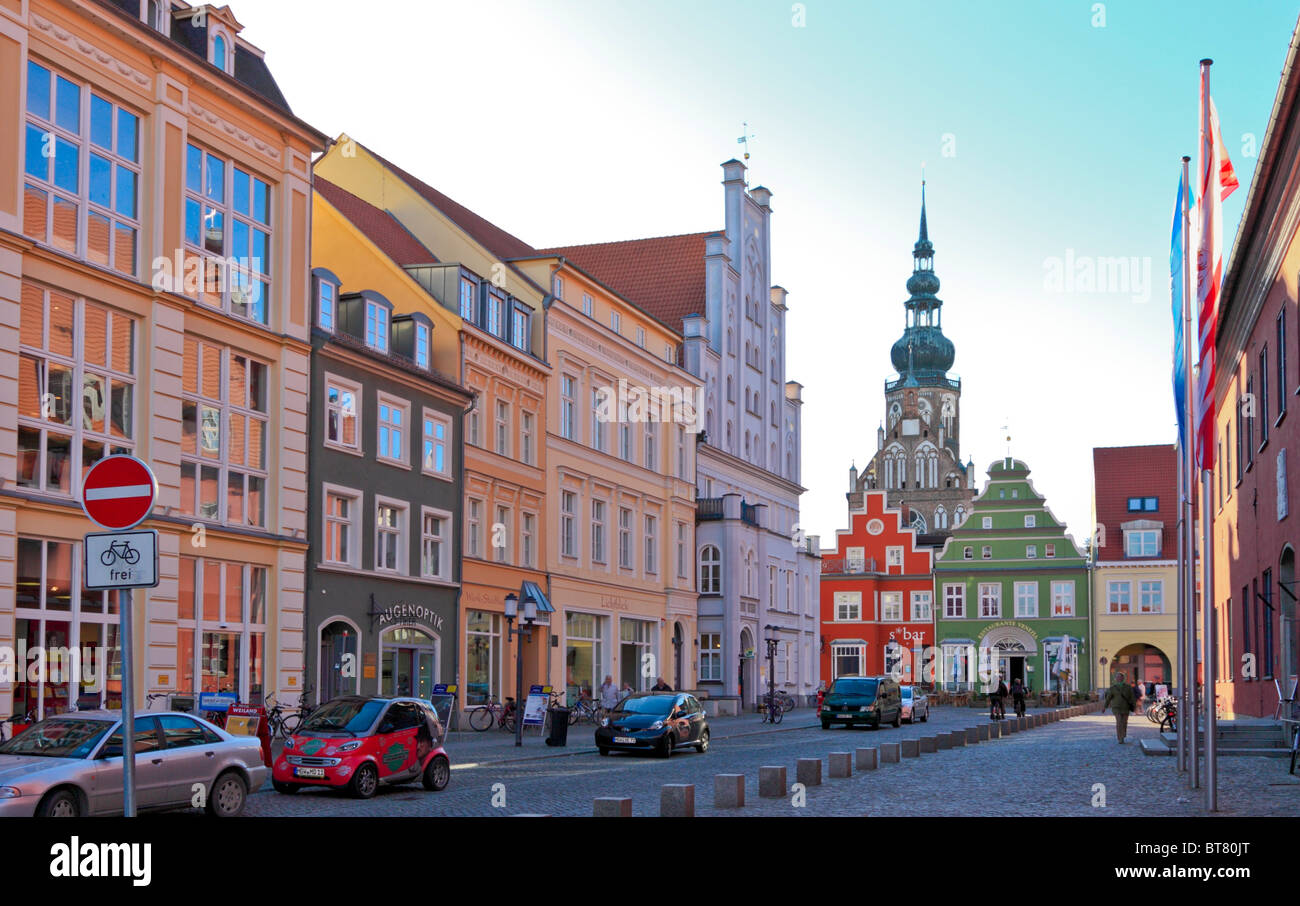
531, 590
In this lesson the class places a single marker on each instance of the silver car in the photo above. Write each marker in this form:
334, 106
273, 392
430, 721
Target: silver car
916, 704
71, 765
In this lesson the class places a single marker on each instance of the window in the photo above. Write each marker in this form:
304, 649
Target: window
495, 312
987, 522
848, 660
422, 346
568, 536
436, 451
651, 442
1266, 614
482, 657
1241, 432
468, 297
1119, 597
848, 606
771, 587
1031, 551
597, 423
519, 328
1142, 543
221, 628
1026, 600
856, 558
1262, 403
670, 353
587, 306
1049, 550
568, 408
219, 52
223, 435
651, 544
682, 572
1281, 363
82, 163
557, 287
710, 657
76, 388
640, 337
390, 532
894, 556
625, 442
954, 601
968, 553
598, 531
1062, 599
472, 422
526, 535
1248, 442
625, 538
377, 326
616, 322
921, 606
474, 528
435, 544
326, 296
1030, 521
683, 453
501, 532
990, 599
228, 236
342, 526
986, 552
891, 606
1151, 596
393, 416
527, 437
342, 417
503, 428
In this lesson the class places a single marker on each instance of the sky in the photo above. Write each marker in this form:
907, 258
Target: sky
1050, 132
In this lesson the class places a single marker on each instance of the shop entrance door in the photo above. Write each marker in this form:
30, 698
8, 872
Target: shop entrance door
1011, 667
410, 663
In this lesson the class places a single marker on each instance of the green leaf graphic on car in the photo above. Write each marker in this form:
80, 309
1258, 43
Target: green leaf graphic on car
312, 746
395, 757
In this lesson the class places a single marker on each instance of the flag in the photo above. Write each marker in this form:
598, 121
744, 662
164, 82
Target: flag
1176, 291
1216, 180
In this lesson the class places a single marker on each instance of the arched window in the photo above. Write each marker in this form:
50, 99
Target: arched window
710, 570
959, 516
728, 436
940, 518
219, 52
773, 461
749, 573
747, 444
920, 470
731, 390
731, 341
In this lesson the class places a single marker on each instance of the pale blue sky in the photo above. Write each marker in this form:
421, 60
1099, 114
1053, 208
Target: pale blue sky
569, 122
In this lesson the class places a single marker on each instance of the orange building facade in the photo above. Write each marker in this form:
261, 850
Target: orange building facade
154, 220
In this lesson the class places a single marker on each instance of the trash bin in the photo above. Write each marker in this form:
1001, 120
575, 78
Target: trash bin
559, 727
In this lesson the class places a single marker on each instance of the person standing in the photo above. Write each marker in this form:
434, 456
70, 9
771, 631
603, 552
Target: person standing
608, 693
1121, 701
661, 686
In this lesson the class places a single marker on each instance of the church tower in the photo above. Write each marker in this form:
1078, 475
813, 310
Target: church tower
918, 445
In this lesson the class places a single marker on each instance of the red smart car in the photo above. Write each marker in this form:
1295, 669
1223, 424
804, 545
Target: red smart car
359, 742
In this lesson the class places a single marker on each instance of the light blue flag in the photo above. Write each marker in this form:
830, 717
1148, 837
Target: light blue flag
1176, 291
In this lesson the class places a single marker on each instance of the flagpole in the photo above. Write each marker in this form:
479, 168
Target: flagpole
1207, 524
1186, 605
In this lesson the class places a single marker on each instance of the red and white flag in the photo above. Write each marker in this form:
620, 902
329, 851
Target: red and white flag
1216, 180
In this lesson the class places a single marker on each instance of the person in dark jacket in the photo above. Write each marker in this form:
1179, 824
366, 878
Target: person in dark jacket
1121, 701
661, 686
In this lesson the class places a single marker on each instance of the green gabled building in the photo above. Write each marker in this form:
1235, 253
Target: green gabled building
1009, 586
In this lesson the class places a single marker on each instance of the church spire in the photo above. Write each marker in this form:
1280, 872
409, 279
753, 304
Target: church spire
925, 235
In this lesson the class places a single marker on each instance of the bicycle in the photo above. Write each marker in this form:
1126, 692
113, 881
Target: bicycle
492, 713
1169, 723
1156, 710
773, 713
119, 550
586, 709
153, 697
997, 711
281, 724
784, 700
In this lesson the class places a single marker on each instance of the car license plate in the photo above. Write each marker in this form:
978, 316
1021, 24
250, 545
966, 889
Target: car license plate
625, 740
309, 772
849, 714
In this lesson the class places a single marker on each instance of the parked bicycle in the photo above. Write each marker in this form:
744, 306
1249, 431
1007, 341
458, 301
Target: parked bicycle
773, 713
493, 713
784, 700
282, 724
1156, 710
587, 709
1169, 722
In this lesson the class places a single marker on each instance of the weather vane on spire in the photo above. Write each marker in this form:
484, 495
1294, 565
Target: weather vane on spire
744, 139
1006, 429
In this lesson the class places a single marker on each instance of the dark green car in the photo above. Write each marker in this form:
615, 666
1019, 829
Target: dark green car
872, 700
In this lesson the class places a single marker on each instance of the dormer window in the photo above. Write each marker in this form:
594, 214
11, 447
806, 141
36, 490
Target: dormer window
422, 345
468, 296
558, 288
376, 326
1141, 538
519, 328
327, 295
155, 14
219, 52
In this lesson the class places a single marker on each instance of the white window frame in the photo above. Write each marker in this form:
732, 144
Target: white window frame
1141, 536
527, 437
343, 385
473, 541
651, 523
568, 407
403, 509
528, 540
922, 606
423, 346
599, 515
357, 500
501, 428
710, 657
848, 606
505, 517
1031, 520
1031, 551
1156, 606
954, 601
1119, 596
856, 650
333, 303
394, 404
588, 306
990, 600
894, 556
891, 606
378, 323
1063, 592
444, 544
1026, 600
568, 524
626, 549
430, 442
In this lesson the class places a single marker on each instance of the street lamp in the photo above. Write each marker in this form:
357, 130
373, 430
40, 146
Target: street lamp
771, 670
526, 630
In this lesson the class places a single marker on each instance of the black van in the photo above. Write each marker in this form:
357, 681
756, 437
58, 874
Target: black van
873, 700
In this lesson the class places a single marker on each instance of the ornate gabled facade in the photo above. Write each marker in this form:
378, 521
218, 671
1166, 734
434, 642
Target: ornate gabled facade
918, 453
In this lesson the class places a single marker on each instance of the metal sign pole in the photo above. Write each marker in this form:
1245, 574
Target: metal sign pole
1209, 633
128, 704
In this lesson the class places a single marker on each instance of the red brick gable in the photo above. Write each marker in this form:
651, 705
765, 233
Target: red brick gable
1123, 472
916, 561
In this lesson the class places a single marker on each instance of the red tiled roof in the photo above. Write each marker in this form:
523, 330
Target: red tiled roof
489, 235
1123, 472
664, 275
380, 227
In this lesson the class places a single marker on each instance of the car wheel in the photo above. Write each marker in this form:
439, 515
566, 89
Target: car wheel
604, 750
826, 725
287, 788
665, 747
898, 718
365, 781
228, 796
703, 745
59, 804
925, 718
437, 774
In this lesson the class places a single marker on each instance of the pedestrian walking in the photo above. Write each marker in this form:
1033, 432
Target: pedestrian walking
1122, 702
608, 693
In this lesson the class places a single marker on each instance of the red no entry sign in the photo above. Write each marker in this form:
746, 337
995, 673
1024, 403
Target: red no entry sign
118, 492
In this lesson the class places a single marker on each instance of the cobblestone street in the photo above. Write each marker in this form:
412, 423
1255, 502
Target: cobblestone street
1048, 771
